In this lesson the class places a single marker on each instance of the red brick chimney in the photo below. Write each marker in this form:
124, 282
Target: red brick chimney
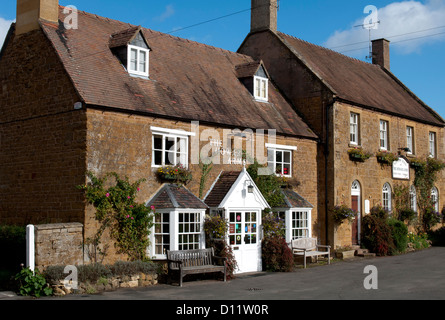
264, 15
380, 53
30, 11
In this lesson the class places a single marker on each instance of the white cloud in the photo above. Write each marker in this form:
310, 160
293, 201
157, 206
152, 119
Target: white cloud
169, 11
4, 28
409, 24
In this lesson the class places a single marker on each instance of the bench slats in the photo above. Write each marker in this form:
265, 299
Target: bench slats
194, 261
308, 247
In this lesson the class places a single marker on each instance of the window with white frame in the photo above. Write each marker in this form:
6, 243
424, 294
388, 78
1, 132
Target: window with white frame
169, 148
435, 199
162, 233
387, 197
177, 230
280, 161
138, 60
354, 129
410, 139
300, 224
384, 135
432, 146
261, 88
189, 236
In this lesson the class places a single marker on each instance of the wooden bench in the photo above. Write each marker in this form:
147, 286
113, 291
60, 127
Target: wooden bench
309, 247
195, 262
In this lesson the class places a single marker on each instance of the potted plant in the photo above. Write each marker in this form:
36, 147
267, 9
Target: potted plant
358, 154
386, 157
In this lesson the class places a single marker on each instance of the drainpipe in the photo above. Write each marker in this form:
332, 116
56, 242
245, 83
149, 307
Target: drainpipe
326, 152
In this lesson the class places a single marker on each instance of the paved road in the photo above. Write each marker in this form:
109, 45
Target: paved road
414, 276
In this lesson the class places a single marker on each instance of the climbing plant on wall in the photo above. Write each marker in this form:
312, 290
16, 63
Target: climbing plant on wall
425, 180
269, 185
129, 222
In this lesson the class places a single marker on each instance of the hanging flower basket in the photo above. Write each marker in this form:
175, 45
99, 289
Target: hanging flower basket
417, 163
342, 213
358, 154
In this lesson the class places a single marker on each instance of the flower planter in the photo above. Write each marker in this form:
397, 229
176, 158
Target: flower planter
349, 254
357, 154
356, 157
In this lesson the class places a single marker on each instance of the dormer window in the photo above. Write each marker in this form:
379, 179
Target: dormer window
131, 48
255, 78
138, 60
260, 90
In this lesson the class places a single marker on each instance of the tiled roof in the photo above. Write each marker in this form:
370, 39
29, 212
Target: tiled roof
360, 82
248, 69
172, 196
221, 188
294, 200
123, 37
188, 81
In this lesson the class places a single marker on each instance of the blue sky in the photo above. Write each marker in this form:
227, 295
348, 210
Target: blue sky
415, 28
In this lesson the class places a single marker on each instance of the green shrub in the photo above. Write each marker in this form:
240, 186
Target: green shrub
94, 272
32, 284
419, 241
379, 212
216, 229
437, 237
377, 235
399, 233
12, 247
122, 268
276, 254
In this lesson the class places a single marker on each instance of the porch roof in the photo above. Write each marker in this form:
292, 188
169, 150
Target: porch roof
294, 200
220, 189
172, 196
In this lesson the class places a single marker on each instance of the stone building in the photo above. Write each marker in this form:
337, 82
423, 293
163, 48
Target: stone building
106, 96
350, 104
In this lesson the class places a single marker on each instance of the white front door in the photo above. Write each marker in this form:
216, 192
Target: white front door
244, 239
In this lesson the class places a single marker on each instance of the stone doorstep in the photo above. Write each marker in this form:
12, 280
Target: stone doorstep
367, 255
364, 253
359, 251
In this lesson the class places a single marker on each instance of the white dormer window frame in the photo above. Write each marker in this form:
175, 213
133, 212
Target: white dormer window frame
261, 88
136, 65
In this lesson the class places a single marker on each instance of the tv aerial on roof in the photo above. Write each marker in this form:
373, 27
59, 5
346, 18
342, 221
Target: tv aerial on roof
371, 22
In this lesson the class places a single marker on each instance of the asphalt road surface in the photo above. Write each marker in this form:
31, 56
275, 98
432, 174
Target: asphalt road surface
413, 276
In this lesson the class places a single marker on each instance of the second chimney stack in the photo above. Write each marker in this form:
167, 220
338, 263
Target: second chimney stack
380, 53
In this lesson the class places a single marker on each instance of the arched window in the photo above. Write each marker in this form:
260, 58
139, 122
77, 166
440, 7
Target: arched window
413, 198
435, 198
386, 196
